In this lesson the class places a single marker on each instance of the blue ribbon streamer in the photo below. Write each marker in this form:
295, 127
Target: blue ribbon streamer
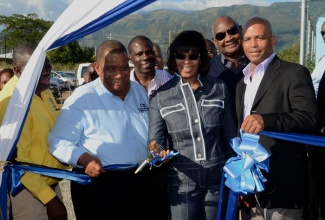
13, 173
318, 141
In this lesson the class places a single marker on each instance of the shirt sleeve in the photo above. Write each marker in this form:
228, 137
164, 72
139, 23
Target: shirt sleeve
318, 73
157, 125
35, 183
66, 134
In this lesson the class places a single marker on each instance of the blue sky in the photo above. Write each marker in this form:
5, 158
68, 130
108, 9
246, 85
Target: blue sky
51, 9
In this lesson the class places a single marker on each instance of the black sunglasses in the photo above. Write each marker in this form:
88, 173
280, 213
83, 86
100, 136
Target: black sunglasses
322, 33
232, 31
194, 56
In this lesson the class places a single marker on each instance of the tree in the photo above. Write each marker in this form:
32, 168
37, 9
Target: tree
30, 28
292, 55
71, 53
21, 28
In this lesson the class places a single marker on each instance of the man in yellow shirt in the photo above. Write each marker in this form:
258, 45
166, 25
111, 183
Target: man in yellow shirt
40, 197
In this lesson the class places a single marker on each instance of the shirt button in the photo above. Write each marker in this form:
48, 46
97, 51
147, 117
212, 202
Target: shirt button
198, 139
199, 155
196, 121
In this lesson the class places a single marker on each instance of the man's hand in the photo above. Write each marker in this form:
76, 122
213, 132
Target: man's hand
253, 124
92, 165
157, 150
56, 209
87, 77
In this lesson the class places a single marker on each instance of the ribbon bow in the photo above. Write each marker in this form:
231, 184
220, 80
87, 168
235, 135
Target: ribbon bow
243, 173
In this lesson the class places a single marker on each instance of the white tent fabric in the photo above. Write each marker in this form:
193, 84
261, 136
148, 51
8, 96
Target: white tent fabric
82, 16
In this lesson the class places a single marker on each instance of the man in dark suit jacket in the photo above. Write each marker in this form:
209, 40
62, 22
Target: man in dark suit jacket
276, 95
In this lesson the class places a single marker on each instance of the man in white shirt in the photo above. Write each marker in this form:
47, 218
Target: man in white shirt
320, 66
105, 122
142, 55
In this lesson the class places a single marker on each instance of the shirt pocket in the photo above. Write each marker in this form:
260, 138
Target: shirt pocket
175, 117
212, 111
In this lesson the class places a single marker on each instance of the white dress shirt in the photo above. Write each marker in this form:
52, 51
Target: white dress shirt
161, 77
317, 74
95, 121
252, 84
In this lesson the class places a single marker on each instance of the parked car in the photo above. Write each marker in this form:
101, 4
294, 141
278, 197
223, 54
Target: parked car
55, 89
69, 81
71, 76
82, 69
59, 82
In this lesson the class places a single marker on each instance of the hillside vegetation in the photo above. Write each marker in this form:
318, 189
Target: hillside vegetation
160, 26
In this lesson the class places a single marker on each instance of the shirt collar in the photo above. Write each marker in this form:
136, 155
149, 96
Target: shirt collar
247, 71
241, 62
105, 90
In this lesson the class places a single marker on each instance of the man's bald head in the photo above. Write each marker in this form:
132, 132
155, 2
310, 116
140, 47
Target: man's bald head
20, 56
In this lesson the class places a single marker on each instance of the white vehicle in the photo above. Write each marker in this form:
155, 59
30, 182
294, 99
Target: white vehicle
71, 76
82, 69
69, 79
61, 83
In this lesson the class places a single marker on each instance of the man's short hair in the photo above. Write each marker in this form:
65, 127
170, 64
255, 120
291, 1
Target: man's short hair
108, 45
138, 38
22, 53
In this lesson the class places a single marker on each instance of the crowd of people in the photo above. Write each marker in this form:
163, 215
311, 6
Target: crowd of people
212, 89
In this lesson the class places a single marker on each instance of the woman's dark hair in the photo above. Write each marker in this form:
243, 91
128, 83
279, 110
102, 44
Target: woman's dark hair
183, 43
7, 70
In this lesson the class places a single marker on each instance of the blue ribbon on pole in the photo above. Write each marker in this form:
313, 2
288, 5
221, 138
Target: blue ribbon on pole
243, 173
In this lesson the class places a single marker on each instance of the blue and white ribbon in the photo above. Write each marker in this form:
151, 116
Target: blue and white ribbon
243, 172
78, 20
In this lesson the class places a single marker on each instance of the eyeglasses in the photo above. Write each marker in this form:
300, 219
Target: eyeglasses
221, 35
322, 33
194, 56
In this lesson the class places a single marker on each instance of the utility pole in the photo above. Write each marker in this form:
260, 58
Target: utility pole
5, 49
169, 37
302, 32
110, 37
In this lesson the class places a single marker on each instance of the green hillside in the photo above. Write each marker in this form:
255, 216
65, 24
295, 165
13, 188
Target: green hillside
285, 18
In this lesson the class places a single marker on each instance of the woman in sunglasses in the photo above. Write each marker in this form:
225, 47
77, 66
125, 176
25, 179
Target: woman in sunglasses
192, 114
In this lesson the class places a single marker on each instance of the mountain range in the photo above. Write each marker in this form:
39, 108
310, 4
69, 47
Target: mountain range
161, 26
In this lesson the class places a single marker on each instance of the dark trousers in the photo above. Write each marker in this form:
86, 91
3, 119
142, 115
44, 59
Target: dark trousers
159, 191
115, 195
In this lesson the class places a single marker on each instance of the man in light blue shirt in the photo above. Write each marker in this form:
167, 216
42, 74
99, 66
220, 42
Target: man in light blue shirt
102, 123
320, 66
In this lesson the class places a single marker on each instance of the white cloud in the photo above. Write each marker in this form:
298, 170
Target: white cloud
194, 5
46, 9
51, 9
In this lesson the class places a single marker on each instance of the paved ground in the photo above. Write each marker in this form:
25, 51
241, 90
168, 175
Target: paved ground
65, 184
65, 189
